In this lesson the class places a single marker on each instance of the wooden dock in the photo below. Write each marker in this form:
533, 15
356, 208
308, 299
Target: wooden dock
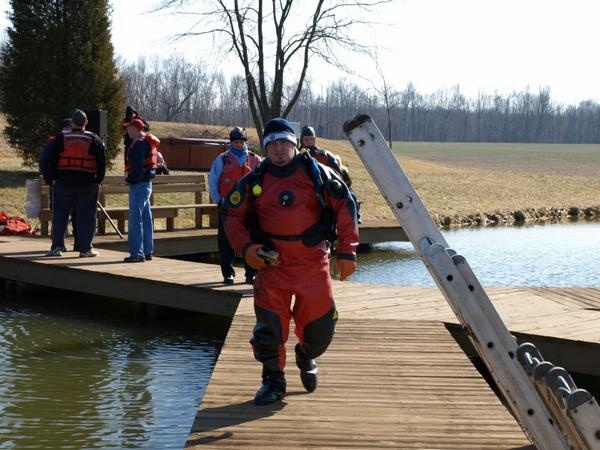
394, 376
164, 282
185, 242
383, 384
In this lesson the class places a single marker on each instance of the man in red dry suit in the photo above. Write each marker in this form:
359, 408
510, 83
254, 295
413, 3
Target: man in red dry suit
280, 217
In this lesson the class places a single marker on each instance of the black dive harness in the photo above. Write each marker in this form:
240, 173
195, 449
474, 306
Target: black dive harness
323, 229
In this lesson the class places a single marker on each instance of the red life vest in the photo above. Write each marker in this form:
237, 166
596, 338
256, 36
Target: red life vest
324, 157
233, 171
151, 156
76, 152
14, 225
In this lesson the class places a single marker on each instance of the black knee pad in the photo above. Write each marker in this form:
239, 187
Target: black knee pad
318, 335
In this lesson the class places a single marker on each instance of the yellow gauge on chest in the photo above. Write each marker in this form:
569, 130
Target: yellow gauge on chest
235, 197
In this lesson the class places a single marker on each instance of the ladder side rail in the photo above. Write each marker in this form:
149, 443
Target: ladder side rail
420, 228
586, 417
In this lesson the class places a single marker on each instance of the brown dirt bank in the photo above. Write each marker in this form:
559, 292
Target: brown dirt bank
472, 192
457, 192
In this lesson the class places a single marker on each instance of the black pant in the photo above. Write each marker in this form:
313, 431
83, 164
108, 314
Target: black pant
83, 200
227, 254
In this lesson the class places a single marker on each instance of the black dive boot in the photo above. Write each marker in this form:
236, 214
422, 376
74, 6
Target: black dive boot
272, 389
308, 372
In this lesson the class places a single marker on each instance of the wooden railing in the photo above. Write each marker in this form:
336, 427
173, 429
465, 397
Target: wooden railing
205, 213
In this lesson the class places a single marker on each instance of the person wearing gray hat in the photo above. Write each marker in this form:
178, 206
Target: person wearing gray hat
76, 163
308, 142
282, 218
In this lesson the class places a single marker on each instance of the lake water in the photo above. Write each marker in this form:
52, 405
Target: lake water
541, 255
98, 377
86, 373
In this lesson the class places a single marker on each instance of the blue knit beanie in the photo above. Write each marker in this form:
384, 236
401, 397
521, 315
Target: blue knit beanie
278, 129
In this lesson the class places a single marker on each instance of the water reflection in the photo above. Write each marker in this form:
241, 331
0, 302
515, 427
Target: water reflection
542, 255
73, 378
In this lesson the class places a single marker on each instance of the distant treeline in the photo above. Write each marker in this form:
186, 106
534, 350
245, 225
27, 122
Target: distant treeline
174, 90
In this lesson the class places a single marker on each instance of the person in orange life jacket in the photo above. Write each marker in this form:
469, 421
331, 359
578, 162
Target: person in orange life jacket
131, 114
65, 127
308, 141
226, 169
76, 161
279, 210
140, 168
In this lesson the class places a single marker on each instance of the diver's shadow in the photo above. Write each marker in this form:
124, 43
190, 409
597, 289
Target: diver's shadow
209, 419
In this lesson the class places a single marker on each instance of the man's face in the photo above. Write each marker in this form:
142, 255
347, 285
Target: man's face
238, 144
309, 141
281, 152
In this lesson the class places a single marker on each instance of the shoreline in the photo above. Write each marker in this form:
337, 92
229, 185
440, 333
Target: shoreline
517, 217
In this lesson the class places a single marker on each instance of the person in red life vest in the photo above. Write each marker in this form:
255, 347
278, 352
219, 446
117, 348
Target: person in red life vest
225, 171
76, 163
140, 168
308, 141
281, 217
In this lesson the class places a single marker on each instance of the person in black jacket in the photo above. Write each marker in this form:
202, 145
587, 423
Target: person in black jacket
76, 164
65, 127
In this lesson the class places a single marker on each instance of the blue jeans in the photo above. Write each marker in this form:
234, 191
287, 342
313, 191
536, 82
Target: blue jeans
139, 225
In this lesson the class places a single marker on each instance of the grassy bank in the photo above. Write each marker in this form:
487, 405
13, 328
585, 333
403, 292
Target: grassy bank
487, 180
460, 183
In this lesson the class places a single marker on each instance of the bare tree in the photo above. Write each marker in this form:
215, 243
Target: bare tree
275, 41
172, 90
178, 83
389, 95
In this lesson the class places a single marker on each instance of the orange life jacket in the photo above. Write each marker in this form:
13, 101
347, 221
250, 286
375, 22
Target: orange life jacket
14, 225
76, 152
233, 171
151, 156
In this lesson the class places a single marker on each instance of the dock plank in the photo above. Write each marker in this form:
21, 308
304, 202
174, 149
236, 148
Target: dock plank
382, 384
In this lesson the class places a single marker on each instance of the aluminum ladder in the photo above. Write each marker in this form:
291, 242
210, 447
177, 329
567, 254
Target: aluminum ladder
552, 412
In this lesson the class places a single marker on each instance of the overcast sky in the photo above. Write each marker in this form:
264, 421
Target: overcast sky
481, 45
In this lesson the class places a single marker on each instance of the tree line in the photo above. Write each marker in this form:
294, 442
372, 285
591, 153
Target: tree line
175, 90
58, 55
